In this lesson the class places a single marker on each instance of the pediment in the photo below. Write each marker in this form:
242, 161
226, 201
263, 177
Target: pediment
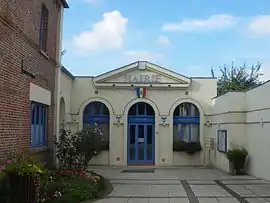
142, 74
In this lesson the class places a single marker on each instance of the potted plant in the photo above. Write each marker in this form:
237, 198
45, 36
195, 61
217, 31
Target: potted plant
188, 147
237, 158
24, 175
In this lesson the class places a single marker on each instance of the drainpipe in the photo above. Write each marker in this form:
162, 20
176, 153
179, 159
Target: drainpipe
58, 78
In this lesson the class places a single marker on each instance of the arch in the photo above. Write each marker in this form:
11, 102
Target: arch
186, 123
187, 100
94, 99
201, 121
96, 112
140, 128
62, 113
138, 100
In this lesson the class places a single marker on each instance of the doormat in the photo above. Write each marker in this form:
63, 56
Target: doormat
143, 170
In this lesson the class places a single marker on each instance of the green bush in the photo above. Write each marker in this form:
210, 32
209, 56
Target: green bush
237, 158
74, 151
71, 186
188, 147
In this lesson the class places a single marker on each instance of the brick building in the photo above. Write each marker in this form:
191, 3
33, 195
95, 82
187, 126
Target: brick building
30, 47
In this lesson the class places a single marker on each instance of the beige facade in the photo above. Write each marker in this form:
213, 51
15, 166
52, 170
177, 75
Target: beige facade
244, 116
165, 90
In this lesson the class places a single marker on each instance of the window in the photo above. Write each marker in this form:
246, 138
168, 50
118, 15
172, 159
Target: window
44, 28
97, 113
222, 140
38, 125
186, 123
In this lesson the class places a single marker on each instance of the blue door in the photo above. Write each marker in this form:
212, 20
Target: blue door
141, 135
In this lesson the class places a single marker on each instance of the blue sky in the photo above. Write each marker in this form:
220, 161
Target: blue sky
186, 36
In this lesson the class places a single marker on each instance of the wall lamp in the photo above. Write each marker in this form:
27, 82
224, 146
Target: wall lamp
118, 120
208, 123
164, 118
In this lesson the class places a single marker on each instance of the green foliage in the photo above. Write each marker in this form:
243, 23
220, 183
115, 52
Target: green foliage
188, 147
238, 78
236, 153
237, 158
74, 151
71, 186
22, 165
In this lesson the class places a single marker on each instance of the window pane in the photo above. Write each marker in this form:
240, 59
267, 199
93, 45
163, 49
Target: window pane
132, 111
141, 107
195, 132
141, 142
149, 110
132, 142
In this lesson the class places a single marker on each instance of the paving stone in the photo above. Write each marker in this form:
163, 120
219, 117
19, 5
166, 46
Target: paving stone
179, 200
130, 190
256, 200
159, 200
201, 182
227, 200
242, 190
209, 190
138, 200
208, 200
260, 190
244, 182
113, 200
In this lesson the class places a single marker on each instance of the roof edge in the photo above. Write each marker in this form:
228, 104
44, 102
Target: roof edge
69, 74
65, 4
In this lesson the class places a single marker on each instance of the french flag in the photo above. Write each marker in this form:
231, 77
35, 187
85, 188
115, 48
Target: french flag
141, 92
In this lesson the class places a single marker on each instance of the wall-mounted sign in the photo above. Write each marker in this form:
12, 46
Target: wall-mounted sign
143, 78
222, 140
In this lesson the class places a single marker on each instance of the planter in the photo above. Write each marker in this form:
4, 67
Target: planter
188, 147
237, 164
24, 188
237, 158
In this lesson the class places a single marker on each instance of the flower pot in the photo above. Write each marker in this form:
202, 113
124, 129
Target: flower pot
24, 188
237, 164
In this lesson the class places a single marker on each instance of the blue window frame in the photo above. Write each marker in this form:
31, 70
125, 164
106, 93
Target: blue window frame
97, 113
38, 125
43, 33
186, 123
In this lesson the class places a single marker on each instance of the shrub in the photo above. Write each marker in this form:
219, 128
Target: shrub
237, 158
74, 151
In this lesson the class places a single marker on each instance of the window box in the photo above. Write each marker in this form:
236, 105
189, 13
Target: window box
188, 147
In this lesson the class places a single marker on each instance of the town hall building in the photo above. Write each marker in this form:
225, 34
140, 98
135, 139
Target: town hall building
142, 109
145, 111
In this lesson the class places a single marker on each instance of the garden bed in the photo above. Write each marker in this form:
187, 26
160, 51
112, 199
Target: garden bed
73, 186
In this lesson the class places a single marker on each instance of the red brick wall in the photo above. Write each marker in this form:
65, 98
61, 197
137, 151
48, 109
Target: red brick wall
19, 36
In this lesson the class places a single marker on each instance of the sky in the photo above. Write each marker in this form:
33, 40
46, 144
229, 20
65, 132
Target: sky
186, 36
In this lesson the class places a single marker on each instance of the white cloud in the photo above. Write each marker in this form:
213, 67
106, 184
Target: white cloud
214, 22
162, 40
143, 55
107, 34
260, 25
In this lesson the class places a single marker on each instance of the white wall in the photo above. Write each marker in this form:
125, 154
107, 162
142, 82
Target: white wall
119, 100
246, 117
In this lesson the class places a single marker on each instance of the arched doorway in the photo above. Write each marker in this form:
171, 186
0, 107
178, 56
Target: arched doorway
62, 116
141, 131
97, 113
186, 123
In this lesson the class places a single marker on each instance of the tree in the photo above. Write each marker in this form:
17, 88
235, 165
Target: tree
239, 78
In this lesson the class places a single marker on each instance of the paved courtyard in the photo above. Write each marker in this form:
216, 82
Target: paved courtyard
182, 185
